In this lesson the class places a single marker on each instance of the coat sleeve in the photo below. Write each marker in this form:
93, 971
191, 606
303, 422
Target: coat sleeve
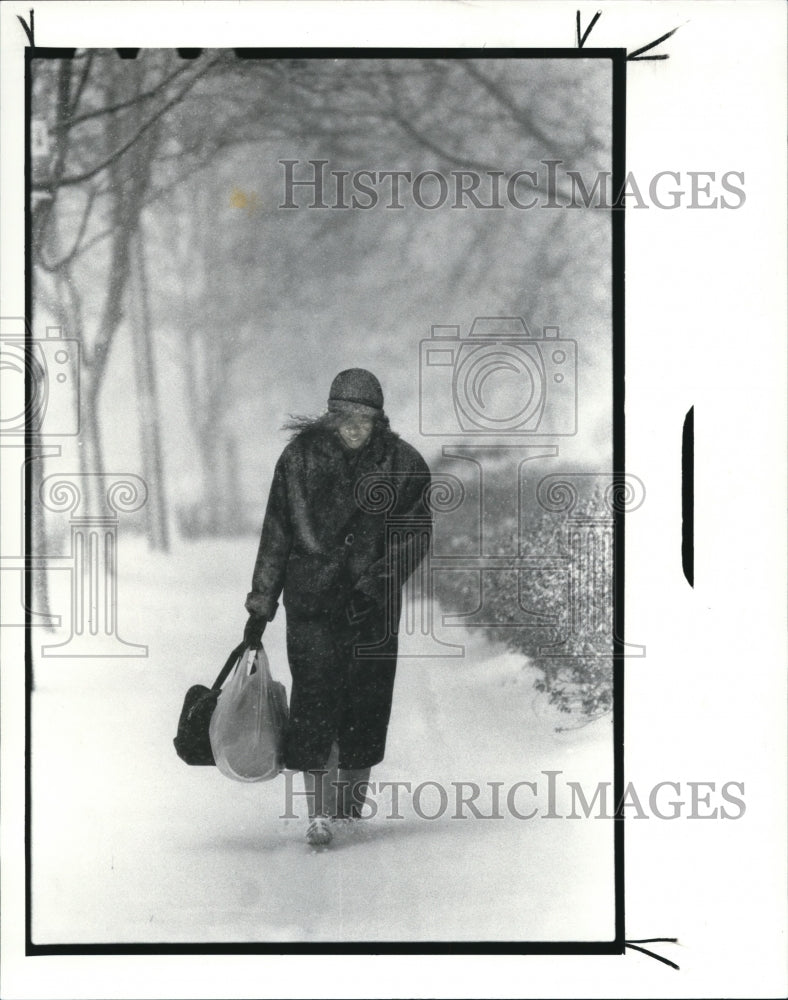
401, 559
275, 542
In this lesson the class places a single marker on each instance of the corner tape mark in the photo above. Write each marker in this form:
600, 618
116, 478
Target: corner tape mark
637, 944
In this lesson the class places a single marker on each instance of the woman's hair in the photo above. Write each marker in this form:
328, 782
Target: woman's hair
299, 424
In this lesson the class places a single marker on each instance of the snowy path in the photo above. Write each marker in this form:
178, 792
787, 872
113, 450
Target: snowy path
130, 844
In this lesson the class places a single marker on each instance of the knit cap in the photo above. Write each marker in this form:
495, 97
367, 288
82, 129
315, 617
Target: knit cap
356, 390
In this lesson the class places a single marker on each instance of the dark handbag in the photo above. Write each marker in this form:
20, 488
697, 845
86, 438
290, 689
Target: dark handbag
192, 742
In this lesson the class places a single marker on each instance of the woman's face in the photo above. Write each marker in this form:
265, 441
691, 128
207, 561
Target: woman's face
355, 429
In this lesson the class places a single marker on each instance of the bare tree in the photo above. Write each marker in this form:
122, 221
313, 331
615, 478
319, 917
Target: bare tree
105, 117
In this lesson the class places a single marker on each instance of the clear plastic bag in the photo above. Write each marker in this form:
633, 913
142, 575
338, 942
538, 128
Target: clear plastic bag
248, 724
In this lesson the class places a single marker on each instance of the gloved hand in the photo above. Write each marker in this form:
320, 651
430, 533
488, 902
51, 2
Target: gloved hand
359, 608
253, 632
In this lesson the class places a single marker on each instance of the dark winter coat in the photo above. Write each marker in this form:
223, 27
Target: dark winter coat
327, 533
325, 526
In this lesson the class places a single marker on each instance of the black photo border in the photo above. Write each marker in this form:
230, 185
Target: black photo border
618, 58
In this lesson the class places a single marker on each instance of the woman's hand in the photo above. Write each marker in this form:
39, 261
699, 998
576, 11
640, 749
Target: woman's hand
253, 633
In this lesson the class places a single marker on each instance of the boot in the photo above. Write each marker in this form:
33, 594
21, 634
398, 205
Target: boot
321, 789
319, 833
352, 788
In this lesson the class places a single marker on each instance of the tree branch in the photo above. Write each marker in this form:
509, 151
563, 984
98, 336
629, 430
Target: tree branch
81, 85
108, 161
110, 109
505, 100
75, 248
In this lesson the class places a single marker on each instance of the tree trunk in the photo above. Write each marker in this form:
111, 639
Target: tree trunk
92, 451
148, 404
39, 542
214, 492
202, 367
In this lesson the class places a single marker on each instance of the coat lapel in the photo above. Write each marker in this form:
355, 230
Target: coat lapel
333, 480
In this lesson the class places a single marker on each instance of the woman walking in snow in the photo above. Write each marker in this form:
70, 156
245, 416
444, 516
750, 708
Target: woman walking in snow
340, 570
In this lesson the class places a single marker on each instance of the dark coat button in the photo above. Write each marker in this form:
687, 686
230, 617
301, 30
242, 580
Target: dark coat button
349, 539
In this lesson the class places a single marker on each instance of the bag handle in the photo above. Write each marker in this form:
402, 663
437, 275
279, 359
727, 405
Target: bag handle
232, 659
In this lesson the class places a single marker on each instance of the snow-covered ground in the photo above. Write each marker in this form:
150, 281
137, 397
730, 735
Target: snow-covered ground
132, 845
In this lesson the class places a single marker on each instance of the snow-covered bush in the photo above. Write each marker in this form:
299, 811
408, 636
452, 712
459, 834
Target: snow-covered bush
557, 611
